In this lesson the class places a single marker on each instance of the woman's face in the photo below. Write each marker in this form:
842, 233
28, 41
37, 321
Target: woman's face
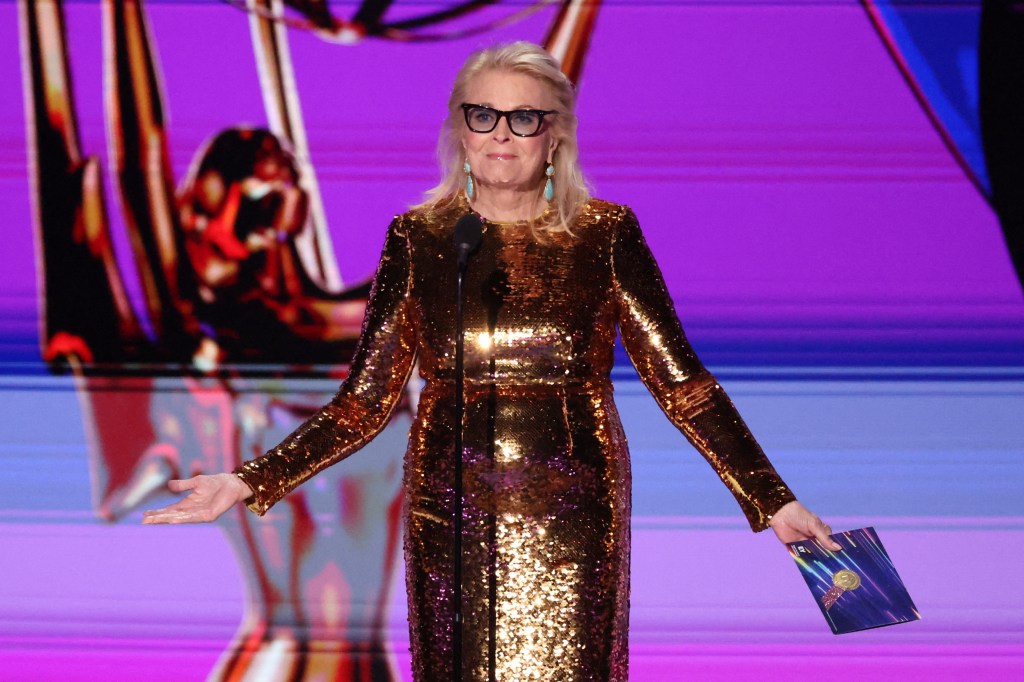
500, 159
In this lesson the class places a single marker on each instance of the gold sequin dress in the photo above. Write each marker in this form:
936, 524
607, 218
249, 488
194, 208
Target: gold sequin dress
547, 474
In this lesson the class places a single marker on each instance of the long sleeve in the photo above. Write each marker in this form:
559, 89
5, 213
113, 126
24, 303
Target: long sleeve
362, 407
689, 395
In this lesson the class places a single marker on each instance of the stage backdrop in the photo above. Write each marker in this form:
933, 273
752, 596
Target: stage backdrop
195, 196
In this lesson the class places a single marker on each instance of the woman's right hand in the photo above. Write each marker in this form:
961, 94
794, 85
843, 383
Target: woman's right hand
210, 497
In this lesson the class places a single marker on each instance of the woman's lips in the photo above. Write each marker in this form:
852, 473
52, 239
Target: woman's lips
501, 157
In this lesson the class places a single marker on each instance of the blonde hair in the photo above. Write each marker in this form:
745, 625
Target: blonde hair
571, 190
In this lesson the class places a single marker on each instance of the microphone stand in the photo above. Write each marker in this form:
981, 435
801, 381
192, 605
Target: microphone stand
468, 232
459, 410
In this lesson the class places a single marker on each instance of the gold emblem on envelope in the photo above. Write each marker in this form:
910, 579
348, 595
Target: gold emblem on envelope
841, 582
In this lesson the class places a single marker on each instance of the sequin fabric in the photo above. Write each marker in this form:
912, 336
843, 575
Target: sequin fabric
546, 466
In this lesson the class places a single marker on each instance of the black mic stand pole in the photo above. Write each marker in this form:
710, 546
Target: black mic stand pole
468, 232
457, 550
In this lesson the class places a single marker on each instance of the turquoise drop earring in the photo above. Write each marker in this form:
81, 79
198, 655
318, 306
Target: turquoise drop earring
470, 190
549, 186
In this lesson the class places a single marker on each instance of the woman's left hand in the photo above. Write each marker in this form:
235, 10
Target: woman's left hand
796, 522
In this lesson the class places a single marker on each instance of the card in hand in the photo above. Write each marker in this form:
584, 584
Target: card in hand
857, 588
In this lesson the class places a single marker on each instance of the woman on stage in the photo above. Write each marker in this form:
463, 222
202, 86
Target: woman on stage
546, 477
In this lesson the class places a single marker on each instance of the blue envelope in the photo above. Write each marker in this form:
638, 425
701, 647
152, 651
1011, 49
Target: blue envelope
856, 588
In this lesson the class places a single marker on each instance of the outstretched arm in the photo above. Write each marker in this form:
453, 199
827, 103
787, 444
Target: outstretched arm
362, 407
688, 393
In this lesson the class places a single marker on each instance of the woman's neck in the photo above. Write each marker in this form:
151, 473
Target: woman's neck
508, 205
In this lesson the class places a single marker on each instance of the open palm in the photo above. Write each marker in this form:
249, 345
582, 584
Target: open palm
209, 497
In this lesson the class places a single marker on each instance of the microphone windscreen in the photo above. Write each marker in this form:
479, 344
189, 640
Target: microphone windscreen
468, 232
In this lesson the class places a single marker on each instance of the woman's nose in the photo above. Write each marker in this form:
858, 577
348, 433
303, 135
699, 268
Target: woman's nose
502, 131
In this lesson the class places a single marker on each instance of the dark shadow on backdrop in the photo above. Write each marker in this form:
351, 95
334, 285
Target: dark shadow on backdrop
1001, 108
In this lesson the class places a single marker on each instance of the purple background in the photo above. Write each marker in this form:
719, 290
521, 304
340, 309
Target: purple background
802, 207
825, 252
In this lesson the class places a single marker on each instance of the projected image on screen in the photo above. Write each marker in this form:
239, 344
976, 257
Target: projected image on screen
195, 199
238, 277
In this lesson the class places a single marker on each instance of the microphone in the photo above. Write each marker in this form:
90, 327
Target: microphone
468, 233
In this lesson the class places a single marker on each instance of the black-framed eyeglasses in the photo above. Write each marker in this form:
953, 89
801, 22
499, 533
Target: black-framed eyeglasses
522, 122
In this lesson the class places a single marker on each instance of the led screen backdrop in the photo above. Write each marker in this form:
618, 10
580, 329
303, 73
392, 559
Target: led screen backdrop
790, 131
195, 197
